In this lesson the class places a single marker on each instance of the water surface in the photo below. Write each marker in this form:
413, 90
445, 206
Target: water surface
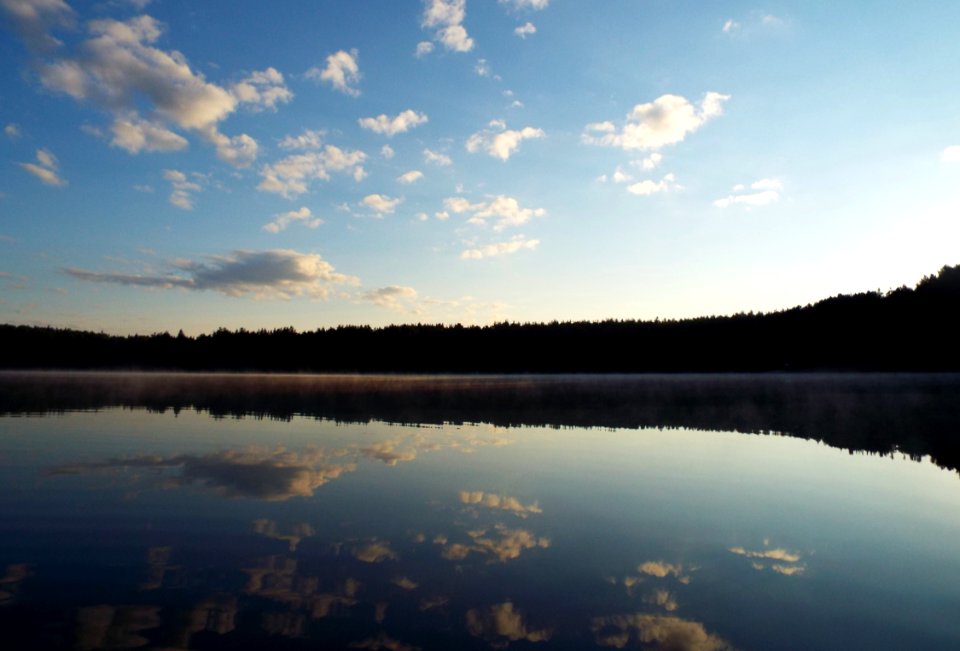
235, 512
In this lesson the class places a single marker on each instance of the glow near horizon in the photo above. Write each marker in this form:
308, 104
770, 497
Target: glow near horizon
178, 166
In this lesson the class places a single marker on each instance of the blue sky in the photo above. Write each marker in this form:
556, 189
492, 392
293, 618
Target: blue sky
172, 165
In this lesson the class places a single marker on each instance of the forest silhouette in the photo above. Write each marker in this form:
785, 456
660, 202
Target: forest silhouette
905, 329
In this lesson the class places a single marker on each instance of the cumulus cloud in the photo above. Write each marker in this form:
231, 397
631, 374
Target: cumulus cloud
292, 175
647, 631
951, 154
282, 220
500, 142
135, 134
502, 210
647, 187
118, 69
525, 30
387, 152
516, 243
47, 168
342, 72
12, 131
660, 570
277, 274
665, 121
410, 177
262, 90
381, 204
436, 158
500, 544
446, 17
34, 19
390, 127
307, 140
503, 621
180, 189
650, 162
764, 192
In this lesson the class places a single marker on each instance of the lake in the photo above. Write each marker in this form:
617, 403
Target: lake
175, 511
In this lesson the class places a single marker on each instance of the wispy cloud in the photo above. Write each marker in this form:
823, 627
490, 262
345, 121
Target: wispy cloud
410, 177
761, 193
181, 188
525, 30
46, 168
282, 220
496, 249
436, 158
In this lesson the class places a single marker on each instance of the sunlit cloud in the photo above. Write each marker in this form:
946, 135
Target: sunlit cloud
376, 551
661, 570
436, 158
503, 621
46, 168
497, 502
499, 543
951, 154
446, 17
784, 562
119, 70
665, 121
387, 152
647, 631
134, 134
342, 72
525, 30
291, 176
423, 49
410, 177
502, 210
394, 297
308, 139
513, 245
274, 274
34, 19
500, 142
647, 187
663, 598
405, 583
730, 25
292, 535
282, 220
181, 188
400, 123
764, 192
381, 204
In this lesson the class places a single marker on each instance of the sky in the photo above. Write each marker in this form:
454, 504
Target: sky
171, 165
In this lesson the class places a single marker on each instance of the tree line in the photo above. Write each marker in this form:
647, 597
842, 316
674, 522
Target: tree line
912, 329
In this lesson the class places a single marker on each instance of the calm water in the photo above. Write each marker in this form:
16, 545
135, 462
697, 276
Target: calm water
215, 512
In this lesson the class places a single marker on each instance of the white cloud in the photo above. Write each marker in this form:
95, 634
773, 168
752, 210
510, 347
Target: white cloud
46, 171
381, 204
436, 158
277, 273
499, 503
180, 189
951, 154
342, 72
754, 23
135, 135
390, 127
482, 68
12, 131
525, 30
282, 220
387, 152
503, 144
119, 70
665, 121
292, 175
651, 161
765, 192
262, 89
730, 25
647, 187
309, 139
423, 49
516, 243
502, 210
446, 18
33, 19
535, 5
410, 177
619, 176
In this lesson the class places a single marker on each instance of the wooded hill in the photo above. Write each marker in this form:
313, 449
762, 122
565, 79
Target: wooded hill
903, 329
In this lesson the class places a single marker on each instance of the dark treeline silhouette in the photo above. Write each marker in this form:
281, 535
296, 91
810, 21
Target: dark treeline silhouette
917, 414
903, 329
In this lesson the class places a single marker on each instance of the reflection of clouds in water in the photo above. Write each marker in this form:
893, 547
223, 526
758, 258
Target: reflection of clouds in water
11, 580
503, 544
405, 583
789, 562
498, 503
655, 633
276, 578
662, 570
263, 474
295, 533
387, 452
503, 621
108, 627
158, 564
433, 603
383, 641
376, 551
663, 598
284, 624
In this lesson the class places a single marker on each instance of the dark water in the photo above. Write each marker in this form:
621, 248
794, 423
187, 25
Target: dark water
242, 512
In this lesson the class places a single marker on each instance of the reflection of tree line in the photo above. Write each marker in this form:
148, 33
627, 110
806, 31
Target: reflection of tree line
905, 329
916, 414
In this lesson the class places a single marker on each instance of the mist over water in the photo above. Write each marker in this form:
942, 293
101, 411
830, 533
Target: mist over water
209, 512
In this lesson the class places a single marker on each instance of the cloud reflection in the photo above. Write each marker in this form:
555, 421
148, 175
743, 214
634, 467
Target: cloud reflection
786, 562
503, 621
655, 633
499, 503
